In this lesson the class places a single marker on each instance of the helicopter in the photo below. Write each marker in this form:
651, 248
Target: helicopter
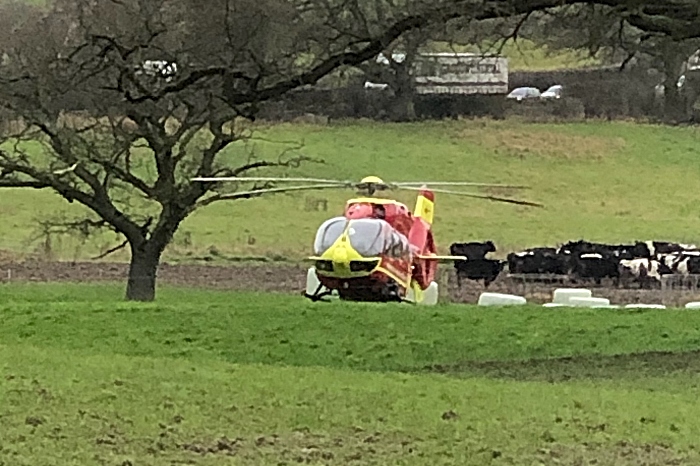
378, 250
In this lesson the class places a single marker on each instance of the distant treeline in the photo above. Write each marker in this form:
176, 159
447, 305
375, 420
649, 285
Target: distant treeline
590, 93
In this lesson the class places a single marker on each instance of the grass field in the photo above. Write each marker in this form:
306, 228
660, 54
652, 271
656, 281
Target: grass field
600, 181
222, 378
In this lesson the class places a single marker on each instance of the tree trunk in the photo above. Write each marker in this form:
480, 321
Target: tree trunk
143, 269
675, 107
402, 107
674, 104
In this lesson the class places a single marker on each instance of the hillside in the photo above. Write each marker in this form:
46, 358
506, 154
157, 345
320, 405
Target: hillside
601, 181
526, 55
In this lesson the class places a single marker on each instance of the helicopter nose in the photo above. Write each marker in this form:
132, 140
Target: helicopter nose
340, 256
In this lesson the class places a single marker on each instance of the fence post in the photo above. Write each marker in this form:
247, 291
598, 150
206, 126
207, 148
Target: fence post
444, 285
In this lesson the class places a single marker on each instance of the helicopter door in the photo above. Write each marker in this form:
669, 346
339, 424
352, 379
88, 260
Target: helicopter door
398, 246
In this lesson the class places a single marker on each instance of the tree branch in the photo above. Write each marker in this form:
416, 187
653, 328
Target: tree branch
8, 183
112, 250
144, 231
99, 204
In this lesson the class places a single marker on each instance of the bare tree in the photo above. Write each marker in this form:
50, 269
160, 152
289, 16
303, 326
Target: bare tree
608, 34
163, 87
394, 69
161, 95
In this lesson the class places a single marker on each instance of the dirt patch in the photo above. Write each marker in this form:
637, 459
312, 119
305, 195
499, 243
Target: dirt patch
301, 447
525, 143
220, 446
619, 454
614, 367
280, 278
291, 278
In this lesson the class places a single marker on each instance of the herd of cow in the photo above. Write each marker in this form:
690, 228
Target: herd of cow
641, 263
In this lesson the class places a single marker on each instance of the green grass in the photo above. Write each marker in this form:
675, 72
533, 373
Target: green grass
600, 181
278, 329
241, 378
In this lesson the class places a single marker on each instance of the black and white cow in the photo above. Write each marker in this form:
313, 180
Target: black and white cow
658, 248
646, 272
538, 261
596, 266
476, 267
682, 263
479, 269
638, 250
473, 250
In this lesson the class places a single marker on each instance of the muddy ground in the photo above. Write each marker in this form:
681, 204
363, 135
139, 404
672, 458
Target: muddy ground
291, 278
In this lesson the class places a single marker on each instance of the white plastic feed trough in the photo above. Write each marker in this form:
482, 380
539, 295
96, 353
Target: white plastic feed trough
645, 306
499, 299
693, 305
564, 295
589, 302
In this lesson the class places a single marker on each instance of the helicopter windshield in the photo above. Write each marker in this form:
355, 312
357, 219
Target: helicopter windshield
369, 237
328, 233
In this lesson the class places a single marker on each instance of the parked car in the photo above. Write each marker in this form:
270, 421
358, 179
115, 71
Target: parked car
554, 92
660, 89
521, 93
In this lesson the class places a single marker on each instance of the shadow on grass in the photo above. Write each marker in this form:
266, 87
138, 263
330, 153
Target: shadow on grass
632, 366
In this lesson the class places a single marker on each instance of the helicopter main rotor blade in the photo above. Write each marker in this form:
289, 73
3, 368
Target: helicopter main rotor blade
479, 196
282, 190
273, 179
459, 183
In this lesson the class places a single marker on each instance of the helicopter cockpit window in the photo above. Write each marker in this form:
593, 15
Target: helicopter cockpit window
399, 246
328, 233
372, 237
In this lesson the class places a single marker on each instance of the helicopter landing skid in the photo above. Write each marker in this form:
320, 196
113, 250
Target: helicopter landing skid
318, 296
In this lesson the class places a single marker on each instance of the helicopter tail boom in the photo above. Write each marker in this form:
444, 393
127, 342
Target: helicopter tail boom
419, 236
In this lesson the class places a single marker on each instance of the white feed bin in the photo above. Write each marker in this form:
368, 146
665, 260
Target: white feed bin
430, 295
563, 295
645, 306
693, 305
589, 302
499, 299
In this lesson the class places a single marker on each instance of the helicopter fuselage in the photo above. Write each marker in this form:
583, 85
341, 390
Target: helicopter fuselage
388, 275
394, 213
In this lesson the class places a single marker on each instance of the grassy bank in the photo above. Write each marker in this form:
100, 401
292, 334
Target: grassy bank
227, 378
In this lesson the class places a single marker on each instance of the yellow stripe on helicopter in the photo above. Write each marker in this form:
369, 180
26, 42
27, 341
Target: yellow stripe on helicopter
425, 209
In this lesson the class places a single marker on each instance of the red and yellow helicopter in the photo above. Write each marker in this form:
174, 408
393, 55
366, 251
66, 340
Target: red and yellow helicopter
378, 250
